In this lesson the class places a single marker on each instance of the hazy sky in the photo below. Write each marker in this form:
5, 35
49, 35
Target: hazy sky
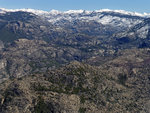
129, 5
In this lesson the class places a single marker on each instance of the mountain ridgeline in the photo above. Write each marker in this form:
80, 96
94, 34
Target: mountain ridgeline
74, 62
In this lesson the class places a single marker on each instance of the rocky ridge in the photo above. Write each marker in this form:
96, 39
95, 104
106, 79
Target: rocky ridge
116, 86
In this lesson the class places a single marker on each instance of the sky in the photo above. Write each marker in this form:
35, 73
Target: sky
64, 5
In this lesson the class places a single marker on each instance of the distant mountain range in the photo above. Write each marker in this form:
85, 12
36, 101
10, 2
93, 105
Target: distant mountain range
103, 16
55, 12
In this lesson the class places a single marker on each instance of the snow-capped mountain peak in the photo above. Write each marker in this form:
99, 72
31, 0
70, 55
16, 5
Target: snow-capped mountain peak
55, 12
74, 11
37, 12
124, 12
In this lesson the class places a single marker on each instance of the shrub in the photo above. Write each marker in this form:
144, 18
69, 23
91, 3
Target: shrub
122, 78
82, 99
42, 107
82, 110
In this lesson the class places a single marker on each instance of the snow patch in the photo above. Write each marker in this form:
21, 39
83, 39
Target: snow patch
143, 32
